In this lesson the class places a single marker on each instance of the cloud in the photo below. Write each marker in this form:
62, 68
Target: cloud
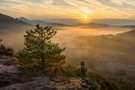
99, 10
118, 2
60, 3
41, 9
121, 2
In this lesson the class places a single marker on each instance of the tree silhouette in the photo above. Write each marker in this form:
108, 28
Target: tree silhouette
83, 69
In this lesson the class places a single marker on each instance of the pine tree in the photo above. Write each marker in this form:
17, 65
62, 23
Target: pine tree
39, 49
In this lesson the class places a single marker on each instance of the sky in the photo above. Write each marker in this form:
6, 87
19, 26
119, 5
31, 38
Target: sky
72, 9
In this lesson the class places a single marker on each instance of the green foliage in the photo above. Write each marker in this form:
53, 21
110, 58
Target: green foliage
95, 86
72, 71
24, 57
99, 81
121, 72
103, 82
82, 71
5, 51
40, 50
69, 70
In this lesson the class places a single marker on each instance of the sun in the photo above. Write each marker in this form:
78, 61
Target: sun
85, 17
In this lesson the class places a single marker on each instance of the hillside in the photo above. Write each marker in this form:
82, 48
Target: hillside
8, 21
128, 34
115, 22
41, 22
13, 78
112, 54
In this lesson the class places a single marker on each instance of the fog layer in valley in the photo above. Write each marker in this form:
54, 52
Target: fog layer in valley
98, 47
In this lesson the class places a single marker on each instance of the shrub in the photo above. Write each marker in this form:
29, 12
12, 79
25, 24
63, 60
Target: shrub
69, 70
95, 86
5, 51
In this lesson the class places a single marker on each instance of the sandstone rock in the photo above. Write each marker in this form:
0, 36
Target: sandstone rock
44, 83
11, 79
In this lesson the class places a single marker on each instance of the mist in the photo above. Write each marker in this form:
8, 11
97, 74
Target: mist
97, 47
14, 37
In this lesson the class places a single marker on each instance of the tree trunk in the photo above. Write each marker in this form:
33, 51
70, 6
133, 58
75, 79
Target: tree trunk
43, 62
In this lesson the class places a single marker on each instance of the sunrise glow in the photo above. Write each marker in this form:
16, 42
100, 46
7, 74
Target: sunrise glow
74, 8
85, 17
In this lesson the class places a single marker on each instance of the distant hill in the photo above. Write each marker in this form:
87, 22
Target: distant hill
129, 34
41, 22
115, 22
24, 19
8, 21
100, 25
124, 23
94, 25
128, 26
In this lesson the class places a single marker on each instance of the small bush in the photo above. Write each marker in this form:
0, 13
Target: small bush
69, 70
6, 51
96, 86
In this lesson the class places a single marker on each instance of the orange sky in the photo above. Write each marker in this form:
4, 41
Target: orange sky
76, 9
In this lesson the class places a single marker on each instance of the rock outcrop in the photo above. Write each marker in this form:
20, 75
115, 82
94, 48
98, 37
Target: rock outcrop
11, 78
44, 83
